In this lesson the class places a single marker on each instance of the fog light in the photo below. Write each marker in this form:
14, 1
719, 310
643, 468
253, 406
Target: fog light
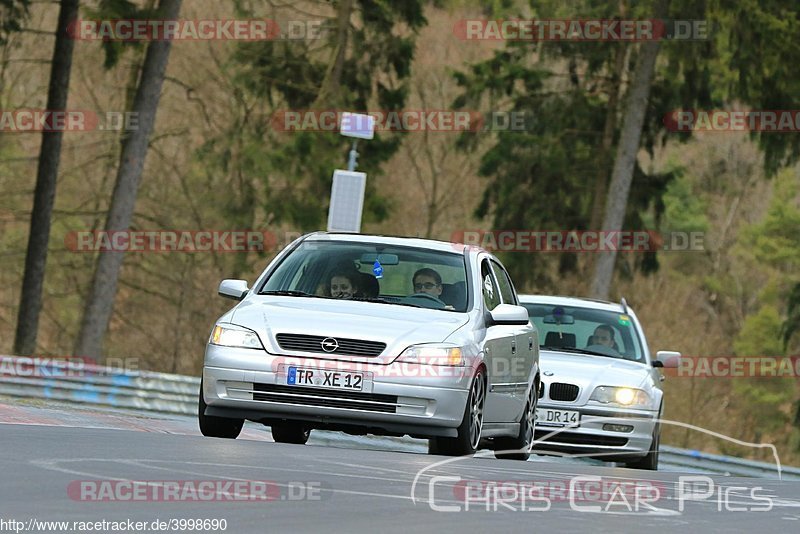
617, 428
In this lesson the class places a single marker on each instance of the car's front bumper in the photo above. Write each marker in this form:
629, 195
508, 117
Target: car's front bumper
590, 438
396, 398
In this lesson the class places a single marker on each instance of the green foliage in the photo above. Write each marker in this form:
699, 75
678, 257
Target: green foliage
270, 77
684, 209
546, 174
760, 334
776, 240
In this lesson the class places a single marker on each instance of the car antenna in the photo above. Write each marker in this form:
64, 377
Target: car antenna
624, 305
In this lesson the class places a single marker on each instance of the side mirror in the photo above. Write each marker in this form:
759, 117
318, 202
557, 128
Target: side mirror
667, 358
233, 289
508, 314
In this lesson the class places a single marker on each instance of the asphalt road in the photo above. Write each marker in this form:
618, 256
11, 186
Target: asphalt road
119, 467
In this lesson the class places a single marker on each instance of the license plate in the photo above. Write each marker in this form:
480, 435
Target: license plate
299, 376
550, 417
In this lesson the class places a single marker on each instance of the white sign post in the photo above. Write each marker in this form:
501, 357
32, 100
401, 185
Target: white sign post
347, 201
347, 191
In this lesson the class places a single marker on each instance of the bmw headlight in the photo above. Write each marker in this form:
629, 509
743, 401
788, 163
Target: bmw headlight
228, 335
621, 396
433, 355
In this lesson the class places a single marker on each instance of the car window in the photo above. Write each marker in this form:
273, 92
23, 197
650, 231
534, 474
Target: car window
491, 293
506, 289
388, 270
575, 327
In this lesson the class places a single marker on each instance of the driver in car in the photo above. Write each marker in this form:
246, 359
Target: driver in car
427, 281
604, 335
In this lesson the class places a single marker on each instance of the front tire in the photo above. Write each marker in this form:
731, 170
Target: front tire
469, 431
649, 462
216, 427
291, 433
518, 448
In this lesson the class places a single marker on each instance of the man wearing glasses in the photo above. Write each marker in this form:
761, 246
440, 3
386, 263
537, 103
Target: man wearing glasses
427, 281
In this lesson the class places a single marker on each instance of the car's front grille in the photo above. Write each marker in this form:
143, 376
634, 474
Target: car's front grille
563, 392
340, 346
573, 438
330, 398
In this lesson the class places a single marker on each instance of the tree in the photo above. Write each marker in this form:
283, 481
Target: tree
553, 175
30, 303
627, 152
361, 62
99, 305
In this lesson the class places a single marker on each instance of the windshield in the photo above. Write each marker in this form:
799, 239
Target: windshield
586, 330
375, 272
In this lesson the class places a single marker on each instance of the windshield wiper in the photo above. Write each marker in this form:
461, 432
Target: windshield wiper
578, 351
287, 293
384, 301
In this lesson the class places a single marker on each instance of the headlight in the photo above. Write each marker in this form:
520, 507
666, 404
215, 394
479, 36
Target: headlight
433, 355
621, 396
235, 336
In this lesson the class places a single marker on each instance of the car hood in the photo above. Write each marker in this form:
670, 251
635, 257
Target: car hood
396, 326
588, 372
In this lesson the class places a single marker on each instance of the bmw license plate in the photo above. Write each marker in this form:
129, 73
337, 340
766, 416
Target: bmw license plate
323, 378
550, 417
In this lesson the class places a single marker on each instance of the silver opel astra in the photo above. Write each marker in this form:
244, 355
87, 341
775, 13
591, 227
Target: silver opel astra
379, 335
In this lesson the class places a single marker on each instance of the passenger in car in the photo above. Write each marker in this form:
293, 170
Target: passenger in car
343, 284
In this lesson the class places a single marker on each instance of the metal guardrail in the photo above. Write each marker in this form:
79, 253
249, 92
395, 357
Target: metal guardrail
84, 383
79, 382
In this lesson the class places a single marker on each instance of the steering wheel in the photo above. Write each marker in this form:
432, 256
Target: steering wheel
603, 349
428, 296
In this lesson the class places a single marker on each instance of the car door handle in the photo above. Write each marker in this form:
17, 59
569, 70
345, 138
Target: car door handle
530, 343
513, 347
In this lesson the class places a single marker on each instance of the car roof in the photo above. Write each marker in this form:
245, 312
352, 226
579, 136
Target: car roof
579, 302
431, 244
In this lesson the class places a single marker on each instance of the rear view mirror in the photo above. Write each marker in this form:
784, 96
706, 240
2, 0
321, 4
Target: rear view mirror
667, 358
558, 319
383, 259
233, 289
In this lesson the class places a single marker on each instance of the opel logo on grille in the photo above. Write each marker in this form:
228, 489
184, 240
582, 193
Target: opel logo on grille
329, 344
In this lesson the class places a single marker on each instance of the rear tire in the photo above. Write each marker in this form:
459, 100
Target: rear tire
294, 433
518, 447
216, 427
469, 431
649, 462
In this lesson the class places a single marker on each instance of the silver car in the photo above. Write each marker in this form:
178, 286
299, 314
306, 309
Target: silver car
601, 393
380, 335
